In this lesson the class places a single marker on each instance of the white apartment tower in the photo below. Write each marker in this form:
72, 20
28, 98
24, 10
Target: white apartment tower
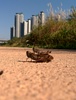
29, 26
58, 17
34, 21
25, 27
42, 18
19, 18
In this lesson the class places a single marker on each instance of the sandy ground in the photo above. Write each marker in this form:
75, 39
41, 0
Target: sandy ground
25, 80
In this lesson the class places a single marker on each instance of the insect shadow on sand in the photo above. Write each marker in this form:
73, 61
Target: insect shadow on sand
27, 61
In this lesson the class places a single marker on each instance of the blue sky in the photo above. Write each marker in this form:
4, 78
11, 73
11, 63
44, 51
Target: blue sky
8, 9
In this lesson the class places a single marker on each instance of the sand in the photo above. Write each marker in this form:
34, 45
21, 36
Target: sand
26, 80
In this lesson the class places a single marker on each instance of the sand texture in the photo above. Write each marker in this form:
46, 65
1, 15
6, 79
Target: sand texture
26, 80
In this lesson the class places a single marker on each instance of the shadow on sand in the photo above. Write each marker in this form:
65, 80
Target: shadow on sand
31, 61
27, 61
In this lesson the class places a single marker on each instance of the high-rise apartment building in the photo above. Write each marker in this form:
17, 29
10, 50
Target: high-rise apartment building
12, 32
29, 26
42, 18
19, 18
34, 21
25, 23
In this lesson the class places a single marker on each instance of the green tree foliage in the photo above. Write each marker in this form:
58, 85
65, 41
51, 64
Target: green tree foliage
72, 16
